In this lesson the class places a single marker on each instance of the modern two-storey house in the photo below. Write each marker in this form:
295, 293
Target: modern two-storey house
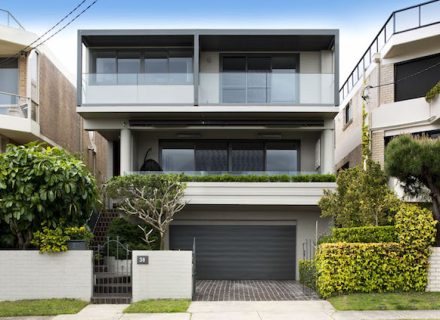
207, 102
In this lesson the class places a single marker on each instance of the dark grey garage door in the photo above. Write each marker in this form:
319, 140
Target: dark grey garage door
239, 252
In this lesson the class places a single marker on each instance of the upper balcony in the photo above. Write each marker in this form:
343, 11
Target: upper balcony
129, 71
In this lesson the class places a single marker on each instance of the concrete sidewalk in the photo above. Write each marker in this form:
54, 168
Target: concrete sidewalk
243, 310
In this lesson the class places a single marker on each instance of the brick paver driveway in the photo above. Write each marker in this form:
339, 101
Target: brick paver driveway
252, 290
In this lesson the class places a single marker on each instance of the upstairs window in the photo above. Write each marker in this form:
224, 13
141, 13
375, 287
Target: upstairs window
8, 83
414, 78
134, 67
348, 114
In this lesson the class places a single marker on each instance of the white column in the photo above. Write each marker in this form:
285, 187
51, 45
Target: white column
327, 149
126, 152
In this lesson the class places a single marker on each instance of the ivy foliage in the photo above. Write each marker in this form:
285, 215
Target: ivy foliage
361, 198
380, 267
433, 93
43, 186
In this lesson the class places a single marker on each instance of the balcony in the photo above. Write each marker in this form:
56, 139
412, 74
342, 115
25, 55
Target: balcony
138, 88
276, 88
220, 88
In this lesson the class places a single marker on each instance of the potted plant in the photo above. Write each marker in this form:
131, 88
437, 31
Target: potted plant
79, 238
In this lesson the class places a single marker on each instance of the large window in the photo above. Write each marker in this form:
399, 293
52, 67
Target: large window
235, 156
256, 78
153, 66
414, 78
8, 83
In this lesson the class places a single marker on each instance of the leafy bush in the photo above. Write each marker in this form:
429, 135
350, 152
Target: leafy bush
364, 234
131, 235
43, 186
307, 273
433, 92
50, 240
362, 198
380, 267
79, 233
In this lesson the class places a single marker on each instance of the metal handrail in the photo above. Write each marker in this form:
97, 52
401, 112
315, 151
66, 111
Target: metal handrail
11, 16
357, 72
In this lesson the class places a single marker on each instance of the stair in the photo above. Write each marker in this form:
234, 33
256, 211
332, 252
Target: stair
111, 288
101, 227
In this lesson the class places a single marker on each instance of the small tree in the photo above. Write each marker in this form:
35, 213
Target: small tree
155, 199
43, 186
415, 161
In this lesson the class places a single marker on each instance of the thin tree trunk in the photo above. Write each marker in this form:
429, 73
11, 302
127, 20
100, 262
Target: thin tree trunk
162, 240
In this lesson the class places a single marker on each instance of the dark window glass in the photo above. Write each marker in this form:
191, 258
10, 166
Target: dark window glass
347, 113
129, 65
211, 156
178, 157
8, 82
281, 156
105, 66
247, 156
414, 78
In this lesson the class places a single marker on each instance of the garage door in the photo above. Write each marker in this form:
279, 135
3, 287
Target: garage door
239, 252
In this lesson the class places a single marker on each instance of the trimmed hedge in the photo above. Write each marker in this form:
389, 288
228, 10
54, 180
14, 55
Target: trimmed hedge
260, 178
380, 267
307, 273
370, 234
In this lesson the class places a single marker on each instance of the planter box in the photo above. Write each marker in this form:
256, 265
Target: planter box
77, 245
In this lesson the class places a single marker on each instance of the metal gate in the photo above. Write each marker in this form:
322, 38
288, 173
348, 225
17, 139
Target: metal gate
112, 280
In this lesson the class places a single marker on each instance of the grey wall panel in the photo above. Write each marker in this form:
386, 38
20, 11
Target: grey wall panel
241, 252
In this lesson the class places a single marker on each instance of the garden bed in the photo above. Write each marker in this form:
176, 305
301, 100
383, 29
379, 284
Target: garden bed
48, 307
159, 306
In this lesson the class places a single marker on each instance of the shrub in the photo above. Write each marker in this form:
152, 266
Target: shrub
362, 198
380, 267
360, 267
50, 240
433, 92
260, 178
307, 273
369, 234
79, 233
43, 186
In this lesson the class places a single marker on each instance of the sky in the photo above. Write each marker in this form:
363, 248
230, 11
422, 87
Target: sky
358, 21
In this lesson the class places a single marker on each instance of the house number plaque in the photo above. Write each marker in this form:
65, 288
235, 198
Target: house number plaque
142, 260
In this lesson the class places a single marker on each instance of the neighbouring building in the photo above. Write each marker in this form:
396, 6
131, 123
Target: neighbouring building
392, 78
38, 99
214, 102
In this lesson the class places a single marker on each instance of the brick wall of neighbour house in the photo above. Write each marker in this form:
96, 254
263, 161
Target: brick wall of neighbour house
22, 75
168, 275
387, 76
59, 121
32, 275
378, 147
434, 271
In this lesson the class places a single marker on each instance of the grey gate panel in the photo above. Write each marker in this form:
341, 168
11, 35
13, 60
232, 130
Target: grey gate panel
239, 252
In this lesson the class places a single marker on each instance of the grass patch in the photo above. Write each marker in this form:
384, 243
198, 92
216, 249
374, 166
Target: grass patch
158, 306
49, 307
387, 301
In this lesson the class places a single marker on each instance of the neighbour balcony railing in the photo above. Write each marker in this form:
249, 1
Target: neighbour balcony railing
403, 20
138, 88
16, 106
7, 19
224, 88
277, 88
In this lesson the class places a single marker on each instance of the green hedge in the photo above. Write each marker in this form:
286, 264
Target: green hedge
371, 234
307, 273
260, 178
380, 267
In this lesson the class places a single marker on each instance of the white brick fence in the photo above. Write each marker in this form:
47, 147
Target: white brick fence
32, 275
168, 275
434, 271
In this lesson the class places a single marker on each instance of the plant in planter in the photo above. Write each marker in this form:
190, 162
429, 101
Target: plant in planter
50, 240
79, 238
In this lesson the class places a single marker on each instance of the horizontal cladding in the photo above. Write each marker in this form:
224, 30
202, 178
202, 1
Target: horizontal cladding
239, 252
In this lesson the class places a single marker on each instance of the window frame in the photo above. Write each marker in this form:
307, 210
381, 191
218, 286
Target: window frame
348, 107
